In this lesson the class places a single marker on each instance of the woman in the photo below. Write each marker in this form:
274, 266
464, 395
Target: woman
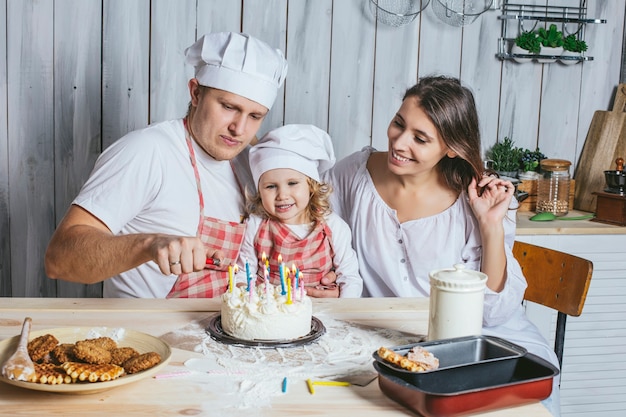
425, 205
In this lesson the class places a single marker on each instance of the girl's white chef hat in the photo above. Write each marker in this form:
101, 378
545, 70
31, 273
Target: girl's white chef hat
304, 148
240, 64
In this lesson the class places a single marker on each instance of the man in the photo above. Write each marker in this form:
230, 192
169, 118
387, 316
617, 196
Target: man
161, 214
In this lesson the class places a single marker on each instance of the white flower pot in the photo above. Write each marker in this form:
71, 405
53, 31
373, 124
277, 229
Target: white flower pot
517, 50
569, 61
545, 50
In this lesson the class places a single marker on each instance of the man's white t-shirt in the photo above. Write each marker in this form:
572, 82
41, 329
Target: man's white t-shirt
145, 183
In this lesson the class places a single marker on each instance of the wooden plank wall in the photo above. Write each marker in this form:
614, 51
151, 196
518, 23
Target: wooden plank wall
75, 75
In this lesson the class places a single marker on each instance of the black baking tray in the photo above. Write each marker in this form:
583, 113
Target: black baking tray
458, 353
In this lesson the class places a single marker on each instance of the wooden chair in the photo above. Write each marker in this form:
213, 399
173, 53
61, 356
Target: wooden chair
556, 280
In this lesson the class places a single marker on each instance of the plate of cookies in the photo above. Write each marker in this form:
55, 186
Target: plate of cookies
86, 360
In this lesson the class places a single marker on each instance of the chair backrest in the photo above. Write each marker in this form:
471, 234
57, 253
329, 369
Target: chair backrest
556, 280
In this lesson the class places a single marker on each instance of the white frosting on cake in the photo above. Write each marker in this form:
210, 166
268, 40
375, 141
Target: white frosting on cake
265, 314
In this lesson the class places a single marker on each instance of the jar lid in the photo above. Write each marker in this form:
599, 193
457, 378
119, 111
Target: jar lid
458, 278
555, 164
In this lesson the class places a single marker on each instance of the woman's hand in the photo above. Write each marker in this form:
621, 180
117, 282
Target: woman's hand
490, 208
491, 204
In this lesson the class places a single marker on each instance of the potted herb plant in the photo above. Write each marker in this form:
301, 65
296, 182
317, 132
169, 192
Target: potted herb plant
572, 46
529, 164
505, 157
526, 43
551, 43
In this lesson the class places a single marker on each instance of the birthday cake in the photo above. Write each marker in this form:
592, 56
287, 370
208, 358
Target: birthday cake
266, 313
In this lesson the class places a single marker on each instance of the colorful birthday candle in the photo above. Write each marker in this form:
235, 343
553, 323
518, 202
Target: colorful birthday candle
289, 291
266, 274
248, 277
281, 271
230, 278
251, 291
266, 262
295, 276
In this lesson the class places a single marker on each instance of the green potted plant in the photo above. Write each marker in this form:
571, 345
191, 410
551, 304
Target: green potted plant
529, 164
572, 46
505, 157
526, 43
551, 43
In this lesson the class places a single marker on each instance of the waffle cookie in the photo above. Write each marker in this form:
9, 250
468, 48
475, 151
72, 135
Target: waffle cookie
88, 372
51, 374
401, 361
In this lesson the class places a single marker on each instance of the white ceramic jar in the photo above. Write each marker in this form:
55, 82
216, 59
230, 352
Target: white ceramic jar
456, 302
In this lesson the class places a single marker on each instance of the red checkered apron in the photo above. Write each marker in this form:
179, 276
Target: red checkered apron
216, 234
313, 255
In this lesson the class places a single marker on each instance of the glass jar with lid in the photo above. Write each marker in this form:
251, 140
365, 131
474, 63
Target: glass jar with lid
553, 187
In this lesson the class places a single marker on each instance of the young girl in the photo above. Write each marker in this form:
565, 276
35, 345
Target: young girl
425, 205
290, 215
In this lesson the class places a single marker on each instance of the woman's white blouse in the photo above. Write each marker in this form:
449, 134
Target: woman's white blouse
395, 258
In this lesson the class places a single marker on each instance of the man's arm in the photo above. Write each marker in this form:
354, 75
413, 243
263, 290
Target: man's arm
84, 250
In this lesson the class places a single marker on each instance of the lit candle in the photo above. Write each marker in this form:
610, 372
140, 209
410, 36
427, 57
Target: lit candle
251, 290
281, 271
230, 278
289, 291
295, 276
266, 262
248, 277
266, 275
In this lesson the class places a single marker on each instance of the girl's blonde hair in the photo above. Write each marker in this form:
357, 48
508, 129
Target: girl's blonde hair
319, 201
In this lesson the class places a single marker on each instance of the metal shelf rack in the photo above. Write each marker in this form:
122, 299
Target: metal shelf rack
526, 17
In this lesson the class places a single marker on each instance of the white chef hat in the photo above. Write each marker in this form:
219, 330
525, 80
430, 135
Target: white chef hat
240, 64
304, 148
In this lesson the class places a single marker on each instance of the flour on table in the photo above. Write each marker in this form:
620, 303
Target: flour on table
238, 381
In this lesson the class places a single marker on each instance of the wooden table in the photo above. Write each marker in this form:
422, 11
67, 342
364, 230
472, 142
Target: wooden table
185, 397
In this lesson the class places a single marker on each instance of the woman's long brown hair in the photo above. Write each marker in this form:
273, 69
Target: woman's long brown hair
451, 108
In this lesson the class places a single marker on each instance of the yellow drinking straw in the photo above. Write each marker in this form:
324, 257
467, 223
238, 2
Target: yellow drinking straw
332, 383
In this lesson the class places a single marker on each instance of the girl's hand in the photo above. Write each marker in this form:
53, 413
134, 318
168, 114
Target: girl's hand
491, 206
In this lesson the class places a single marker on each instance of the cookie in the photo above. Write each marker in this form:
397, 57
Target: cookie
39, 348
141, 362
51, 374
88, 352
88, 372
63, 353
104, 342
122, 354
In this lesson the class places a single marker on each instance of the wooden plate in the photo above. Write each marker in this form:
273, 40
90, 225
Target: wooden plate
142, 342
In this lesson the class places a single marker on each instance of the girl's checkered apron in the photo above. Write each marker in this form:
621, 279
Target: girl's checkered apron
313, 255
